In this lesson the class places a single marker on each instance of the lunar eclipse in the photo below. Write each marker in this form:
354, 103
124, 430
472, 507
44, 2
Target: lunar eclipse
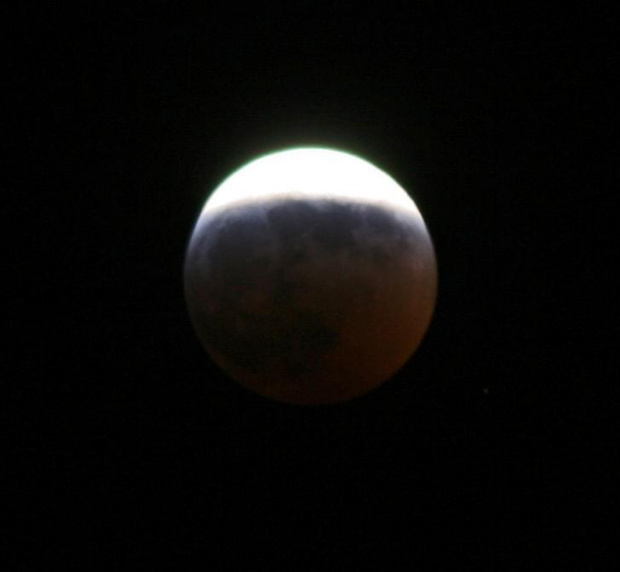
310, 276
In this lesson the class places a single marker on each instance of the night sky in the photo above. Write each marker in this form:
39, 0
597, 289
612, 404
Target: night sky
121, 445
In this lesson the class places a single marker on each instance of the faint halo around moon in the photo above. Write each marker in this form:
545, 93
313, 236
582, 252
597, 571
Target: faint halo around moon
310, 276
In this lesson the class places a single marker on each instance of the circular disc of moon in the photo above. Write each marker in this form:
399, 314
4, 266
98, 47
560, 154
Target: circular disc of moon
310, 276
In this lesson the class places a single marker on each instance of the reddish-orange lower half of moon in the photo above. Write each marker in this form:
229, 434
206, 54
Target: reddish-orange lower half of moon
310, 302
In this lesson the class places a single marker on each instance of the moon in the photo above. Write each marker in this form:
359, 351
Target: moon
310, 276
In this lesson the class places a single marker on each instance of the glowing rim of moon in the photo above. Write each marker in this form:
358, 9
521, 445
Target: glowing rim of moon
310, 172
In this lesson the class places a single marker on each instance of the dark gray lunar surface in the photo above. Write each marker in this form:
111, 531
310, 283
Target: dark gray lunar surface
310, 301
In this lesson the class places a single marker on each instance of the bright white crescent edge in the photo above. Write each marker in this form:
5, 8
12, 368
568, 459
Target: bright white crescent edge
311, 172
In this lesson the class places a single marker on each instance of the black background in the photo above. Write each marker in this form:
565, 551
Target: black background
123, 448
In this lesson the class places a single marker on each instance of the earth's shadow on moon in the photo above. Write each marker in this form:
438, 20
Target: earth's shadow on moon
310, 301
